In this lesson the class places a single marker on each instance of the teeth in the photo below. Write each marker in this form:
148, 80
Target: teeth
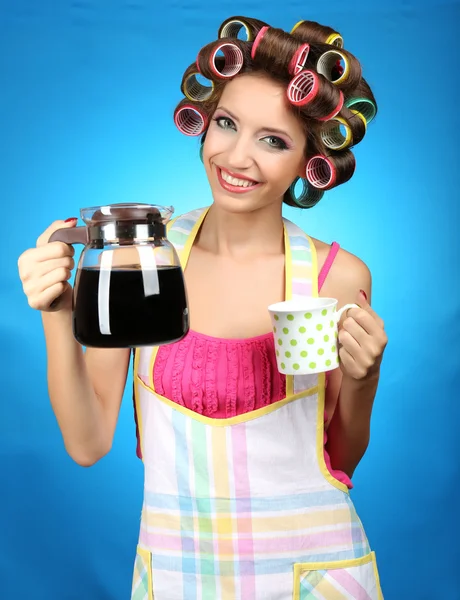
233, 181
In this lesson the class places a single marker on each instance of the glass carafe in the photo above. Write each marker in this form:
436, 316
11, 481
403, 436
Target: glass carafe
129, 287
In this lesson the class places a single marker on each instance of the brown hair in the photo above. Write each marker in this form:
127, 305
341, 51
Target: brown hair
324, 85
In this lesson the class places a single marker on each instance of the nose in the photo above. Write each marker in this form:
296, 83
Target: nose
240, 153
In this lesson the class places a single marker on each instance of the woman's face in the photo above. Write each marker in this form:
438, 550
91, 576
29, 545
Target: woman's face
254, 146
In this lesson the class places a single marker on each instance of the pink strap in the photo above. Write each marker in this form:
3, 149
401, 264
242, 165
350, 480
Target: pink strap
328, 264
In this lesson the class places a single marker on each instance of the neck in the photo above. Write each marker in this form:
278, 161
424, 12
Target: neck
243, 235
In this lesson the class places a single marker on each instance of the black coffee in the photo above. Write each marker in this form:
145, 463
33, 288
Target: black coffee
128, 317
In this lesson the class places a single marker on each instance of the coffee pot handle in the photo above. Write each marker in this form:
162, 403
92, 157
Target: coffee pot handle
70, 235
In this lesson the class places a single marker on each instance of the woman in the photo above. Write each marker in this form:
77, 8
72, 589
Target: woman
245, 495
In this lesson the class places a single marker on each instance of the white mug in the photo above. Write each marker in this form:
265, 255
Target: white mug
305, 333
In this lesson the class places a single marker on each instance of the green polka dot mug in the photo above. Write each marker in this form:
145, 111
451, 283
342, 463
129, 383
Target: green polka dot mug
305, 334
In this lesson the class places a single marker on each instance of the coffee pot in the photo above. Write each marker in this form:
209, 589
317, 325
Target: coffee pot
129, 286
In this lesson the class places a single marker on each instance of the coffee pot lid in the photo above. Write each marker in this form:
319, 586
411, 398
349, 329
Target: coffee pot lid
133, 212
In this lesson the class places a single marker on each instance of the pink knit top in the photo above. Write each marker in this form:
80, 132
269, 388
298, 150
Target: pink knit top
222, 378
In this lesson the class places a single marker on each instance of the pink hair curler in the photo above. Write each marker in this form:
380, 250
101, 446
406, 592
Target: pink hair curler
232, 63
321, 172
257, 41
303, 88
299, 59
190, 121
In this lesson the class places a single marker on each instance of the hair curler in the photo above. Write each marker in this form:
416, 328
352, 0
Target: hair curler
335, 39
232, 60
299, 59
190, 120
321, 172
196, 91
303, 88
232, 28
332, 135
365, 107
328, 61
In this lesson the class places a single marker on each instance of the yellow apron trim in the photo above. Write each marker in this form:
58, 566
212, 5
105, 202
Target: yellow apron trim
184, 254
250, 416
151, 367
137, 402
377, 578
320, 437
145, 555
288, 295
300, 568
171, 223
288, 266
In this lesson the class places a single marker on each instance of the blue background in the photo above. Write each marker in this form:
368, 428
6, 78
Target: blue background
87, 92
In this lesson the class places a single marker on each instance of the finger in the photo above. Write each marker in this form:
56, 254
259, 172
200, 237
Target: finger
45, 236
30, 263
347, 341
54, 250
352, 367
44, 300
55, 263
62, 274
358, 333
347, 360
364, 320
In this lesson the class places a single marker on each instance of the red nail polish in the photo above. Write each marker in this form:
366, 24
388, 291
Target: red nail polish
71, 219
363, 293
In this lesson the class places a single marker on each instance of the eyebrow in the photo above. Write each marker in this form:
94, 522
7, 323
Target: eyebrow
272, 129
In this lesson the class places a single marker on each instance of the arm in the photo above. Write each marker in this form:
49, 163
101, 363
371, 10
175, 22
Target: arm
352, 388
85, 388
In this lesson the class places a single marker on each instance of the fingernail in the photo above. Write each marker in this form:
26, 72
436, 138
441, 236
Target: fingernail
71, 219
363, 293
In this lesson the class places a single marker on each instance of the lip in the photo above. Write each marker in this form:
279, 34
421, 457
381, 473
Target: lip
235, 189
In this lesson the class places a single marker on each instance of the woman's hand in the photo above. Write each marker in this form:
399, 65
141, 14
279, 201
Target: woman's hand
45, 271
362, 341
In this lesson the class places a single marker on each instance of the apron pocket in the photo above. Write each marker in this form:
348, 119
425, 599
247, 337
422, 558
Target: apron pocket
354, 579
142, 577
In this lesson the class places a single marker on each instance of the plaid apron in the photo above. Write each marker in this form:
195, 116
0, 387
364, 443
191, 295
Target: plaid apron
245, 508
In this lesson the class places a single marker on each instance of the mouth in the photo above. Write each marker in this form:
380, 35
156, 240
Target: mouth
235, 185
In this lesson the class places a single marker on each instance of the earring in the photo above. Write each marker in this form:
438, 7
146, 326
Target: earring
201, 153
308, 197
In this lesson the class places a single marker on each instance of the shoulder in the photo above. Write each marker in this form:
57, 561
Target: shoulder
347, 276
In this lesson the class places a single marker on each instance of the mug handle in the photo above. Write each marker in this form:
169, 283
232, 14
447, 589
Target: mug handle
73, 235
343, 309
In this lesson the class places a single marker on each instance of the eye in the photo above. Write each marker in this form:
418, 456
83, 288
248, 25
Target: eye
224, 123
276, 142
